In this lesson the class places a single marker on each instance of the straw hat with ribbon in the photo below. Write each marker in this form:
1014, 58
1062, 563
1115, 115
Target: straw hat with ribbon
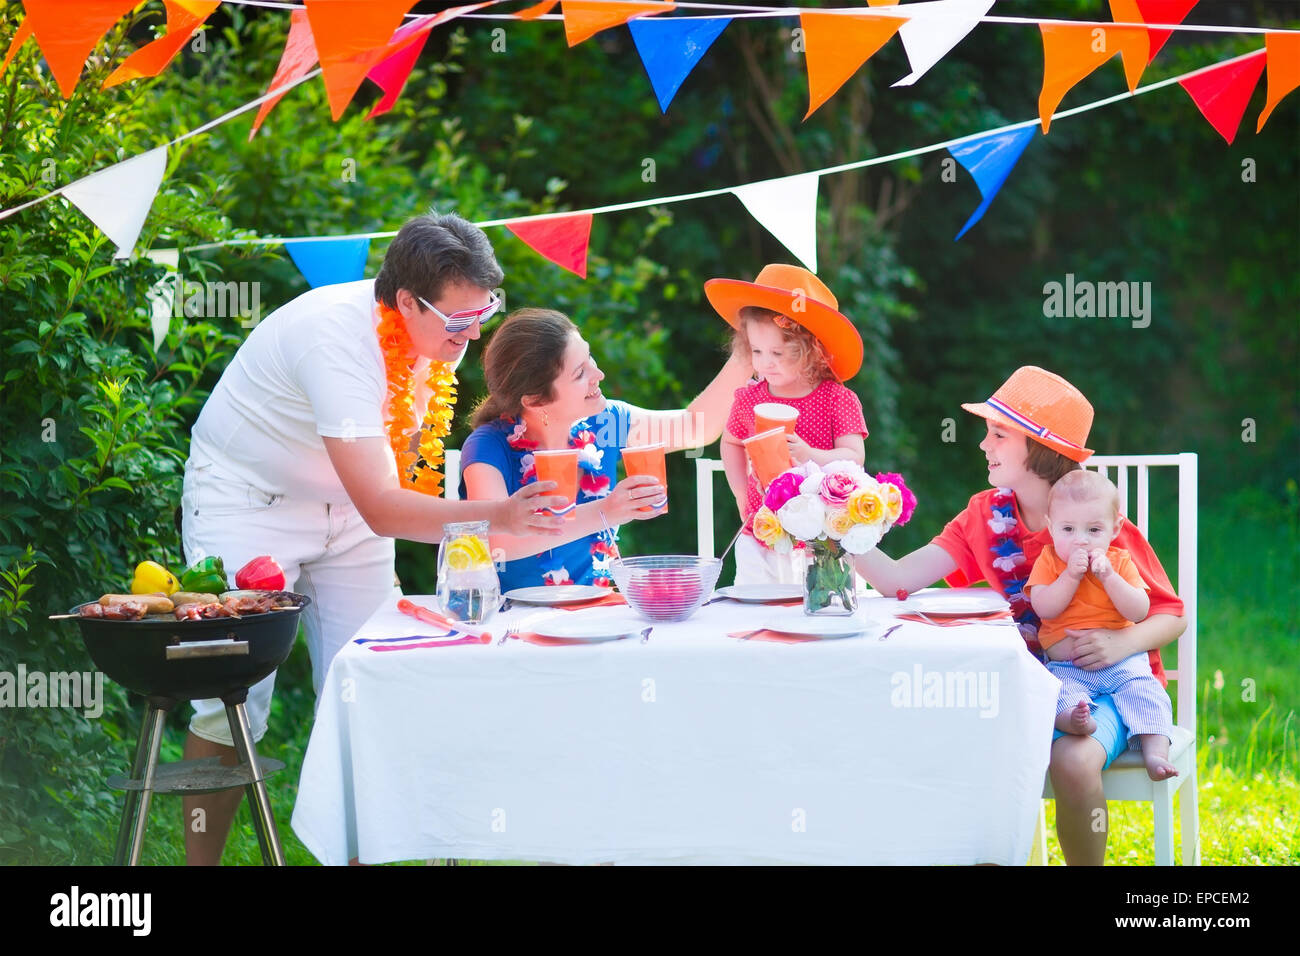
1044, 407
802, 297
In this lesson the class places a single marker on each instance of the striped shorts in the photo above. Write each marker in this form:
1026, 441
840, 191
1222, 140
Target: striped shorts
1141, 701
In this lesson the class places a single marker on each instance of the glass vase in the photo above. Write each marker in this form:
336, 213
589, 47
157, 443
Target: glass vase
468, 588
829, 581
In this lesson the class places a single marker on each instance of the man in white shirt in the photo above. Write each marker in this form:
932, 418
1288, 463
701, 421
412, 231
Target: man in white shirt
291, 457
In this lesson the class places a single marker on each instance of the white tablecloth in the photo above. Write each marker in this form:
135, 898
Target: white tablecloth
691, 748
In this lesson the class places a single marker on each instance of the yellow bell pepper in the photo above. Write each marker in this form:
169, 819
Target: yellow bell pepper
151, 577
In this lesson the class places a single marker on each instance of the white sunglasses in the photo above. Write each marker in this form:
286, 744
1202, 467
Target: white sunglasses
460, 321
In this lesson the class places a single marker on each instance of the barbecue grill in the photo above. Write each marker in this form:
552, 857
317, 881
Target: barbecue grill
170, 661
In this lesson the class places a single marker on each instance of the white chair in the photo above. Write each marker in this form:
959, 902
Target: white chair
451, 474
705, 468
1126, 778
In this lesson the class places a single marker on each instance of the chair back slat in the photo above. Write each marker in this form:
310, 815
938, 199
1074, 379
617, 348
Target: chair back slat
1121, 482
451, 474
1143, 502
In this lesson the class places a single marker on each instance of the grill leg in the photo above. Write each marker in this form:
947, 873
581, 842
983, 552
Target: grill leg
133, 796
268, 837
150, 745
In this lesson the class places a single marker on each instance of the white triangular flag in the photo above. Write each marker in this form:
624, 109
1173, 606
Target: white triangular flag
162, 294
933, 29
787, 208
117, 199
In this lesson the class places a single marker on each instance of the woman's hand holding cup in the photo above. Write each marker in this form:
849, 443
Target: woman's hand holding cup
629, 496
520, 514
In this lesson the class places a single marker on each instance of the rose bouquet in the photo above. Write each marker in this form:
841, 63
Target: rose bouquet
833, 510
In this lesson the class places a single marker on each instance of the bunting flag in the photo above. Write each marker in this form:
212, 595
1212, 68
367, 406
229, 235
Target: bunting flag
330, 262
21, 36
117, 199
583, 19
162, 294
835, 45
670, 48
1222, 94
183, 18
1283, 70
787, 208
298, 58
934, 28
1135, 55
351, 37
69, 30
990, 160
1162, 11
562, 239
1072, 51
390, 73
537, 10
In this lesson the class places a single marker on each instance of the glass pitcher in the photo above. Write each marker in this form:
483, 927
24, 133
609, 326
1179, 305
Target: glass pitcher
468, 589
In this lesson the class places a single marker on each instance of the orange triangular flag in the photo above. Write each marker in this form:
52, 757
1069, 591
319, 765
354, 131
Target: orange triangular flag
1071, 52
298, 57
562, 239
835, 45
68, 30
537, 10
351, 37
183, 18
583, 19
1283, 70
20, 37
1126, 11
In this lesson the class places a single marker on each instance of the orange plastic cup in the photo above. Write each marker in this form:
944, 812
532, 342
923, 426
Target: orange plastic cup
771, 415
560, 466
769, 454
649, 460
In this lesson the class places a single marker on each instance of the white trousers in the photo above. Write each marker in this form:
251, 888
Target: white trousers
756, 564
327, 551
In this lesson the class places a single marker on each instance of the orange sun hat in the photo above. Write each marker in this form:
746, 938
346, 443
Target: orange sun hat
800, 296
1043, 406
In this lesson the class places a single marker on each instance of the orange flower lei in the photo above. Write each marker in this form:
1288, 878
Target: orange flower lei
414, 470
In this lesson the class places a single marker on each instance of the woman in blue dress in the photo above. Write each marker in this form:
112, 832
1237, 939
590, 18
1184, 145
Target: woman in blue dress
544, 393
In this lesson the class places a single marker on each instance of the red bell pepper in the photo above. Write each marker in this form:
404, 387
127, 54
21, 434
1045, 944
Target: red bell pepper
263, 573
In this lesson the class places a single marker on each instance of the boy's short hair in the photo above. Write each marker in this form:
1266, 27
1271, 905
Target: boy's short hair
1047, 463
1084, 485
808, 351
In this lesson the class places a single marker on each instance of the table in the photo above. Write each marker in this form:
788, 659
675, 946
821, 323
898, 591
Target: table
691, 748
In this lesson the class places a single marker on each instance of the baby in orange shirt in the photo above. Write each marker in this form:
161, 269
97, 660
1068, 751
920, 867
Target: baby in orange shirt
1082, 582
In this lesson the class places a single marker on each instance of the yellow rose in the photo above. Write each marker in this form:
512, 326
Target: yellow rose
838, 523
866, 506
893, 499
767, 528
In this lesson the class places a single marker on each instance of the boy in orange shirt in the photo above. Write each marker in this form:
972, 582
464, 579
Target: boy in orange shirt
1083, 582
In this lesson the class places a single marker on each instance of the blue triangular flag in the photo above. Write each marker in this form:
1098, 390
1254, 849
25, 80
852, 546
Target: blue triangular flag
670, 49
330, 262
990, 161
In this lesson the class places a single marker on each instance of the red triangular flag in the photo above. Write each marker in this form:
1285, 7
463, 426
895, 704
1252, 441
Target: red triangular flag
351, 37
68, 30
1221, 93
299, 57
835, 45
183, 18
1283, 70
537, 10
583, 19
1162, 11
403, 50
562, 239
20, 37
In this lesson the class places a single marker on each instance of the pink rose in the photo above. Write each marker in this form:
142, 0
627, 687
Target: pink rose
836, 488
909, 499
783, 487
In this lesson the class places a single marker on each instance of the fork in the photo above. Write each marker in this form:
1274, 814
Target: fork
510, 632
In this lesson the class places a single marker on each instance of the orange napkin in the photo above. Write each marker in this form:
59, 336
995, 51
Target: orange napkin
954, 621
613, 597
776, 637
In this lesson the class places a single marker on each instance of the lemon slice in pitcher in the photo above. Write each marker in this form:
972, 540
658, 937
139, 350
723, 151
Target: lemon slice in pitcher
467, 553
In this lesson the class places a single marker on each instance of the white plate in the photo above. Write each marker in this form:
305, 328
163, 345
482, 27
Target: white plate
590, 626
556, 595
953, 601
761, 593
825, 627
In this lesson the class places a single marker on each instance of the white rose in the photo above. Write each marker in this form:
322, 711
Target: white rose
842, 467
802, 517
783, 545
861, 538
811, 486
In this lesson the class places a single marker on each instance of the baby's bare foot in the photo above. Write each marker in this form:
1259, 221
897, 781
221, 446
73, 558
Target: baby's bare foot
1077, 720
1158, 768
